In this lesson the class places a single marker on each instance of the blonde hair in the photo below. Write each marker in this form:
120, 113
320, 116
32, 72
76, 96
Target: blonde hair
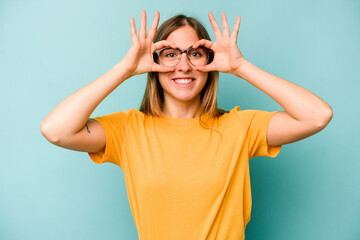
153, 100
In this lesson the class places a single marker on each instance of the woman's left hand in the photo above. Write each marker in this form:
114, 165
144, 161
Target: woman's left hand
227, 55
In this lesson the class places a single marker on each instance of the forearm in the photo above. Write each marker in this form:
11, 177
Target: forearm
70, 115
297, 101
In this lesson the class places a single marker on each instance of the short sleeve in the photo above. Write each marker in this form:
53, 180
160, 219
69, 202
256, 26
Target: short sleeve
257, 137
114, 127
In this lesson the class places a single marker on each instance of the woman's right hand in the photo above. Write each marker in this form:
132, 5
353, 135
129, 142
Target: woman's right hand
139, 59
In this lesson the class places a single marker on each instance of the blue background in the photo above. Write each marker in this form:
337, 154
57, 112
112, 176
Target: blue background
50, 49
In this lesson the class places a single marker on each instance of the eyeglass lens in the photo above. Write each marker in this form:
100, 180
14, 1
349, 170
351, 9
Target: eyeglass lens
171, 57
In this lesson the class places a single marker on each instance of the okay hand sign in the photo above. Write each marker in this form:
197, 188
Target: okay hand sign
227, 56
139, 59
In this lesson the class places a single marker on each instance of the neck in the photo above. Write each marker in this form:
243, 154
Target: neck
182, 109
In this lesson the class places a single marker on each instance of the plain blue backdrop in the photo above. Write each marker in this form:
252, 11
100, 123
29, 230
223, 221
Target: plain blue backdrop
49, 49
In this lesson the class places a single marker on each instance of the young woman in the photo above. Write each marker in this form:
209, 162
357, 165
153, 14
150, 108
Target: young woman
185, 162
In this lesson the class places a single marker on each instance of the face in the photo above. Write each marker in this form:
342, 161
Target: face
183, 37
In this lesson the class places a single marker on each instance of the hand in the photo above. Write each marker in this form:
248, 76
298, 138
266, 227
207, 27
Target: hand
139, 59
227, 56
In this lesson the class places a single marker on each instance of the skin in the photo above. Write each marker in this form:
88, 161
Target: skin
182, 101
305, 113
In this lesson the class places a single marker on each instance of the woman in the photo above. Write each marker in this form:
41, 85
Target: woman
183, 180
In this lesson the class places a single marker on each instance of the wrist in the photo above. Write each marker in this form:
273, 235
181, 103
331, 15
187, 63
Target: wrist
240, 71
123, 70
127, 69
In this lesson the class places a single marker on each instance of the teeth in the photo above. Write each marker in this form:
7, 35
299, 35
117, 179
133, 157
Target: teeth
183, 81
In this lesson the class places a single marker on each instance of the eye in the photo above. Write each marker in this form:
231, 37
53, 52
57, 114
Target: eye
195, 54
170, 55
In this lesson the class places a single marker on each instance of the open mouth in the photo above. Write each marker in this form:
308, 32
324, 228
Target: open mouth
183, 81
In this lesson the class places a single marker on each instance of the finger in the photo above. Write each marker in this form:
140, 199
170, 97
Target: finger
134, 37
154, 26
225, 25
203, 42
142, 33
163, 43
160, 68
206, 68
235, 31
215, 26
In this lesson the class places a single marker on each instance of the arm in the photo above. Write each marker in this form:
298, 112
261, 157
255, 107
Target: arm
68, 124
305, 113
70, 116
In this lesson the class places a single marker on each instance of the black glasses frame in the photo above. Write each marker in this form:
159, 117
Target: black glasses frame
157, 53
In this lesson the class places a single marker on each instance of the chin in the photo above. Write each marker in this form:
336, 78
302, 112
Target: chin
185, 98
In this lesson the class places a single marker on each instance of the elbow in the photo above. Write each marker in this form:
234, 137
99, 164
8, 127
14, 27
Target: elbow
47, 133
326, 118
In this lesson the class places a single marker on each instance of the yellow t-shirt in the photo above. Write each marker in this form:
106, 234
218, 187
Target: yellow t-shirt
182, 181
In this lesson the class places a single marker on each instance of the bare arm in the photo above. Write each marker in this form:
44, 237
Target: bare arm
305, 113
68, 124
71, 115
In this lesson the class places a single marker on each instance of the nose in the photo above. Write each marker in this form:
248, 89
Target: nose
184, 64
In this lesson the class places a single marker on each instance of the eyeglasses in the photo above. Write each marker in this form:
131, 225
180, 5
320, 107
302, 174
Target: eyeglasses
171, 57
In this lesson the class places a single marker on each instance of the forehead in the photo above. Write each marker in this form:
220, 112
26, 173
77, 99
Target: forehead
183, 37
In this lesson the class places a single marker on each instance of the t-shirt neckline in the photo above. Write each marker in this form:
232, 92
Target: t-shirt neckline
182, 121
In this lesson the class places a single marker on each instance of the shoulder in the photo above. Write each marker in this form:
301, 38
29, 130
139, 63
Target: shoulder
249, 117
134, 115
121, 115
242, 115
133, 112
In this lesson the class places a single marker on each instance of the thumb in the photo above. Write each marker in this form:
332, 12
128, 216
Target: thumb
206, 68
159, 68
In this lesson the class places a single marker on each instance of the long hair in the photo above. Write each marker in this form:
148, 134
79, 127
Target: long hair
153, 100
